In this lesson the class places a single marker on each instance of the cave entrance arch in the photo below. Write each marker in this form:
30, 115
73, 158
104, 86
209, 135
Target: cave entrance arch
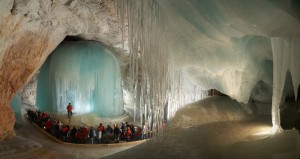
85, 74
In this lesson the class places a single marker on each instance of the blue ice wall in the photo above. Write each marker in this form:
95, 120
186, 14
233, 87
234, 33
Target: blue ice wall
16, 105
85, 74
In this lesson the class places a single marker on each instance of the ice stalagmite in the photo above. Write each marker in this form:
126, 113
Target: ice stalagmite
286, 57
84, 74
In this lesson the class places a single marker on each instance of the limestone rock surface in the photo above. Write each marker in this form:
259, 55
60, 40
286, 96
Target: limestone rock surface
30, 30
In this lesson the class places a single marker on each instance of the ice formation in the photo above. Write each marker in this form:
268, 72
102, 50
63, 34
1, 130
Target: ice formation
286, 57
177, 49
223, 45
84, 74
16, 105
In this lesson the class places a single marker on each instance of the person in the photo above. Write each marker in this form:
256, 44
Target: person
143, 133
65, 131
108, 130
79, 136
116, 133
44, 117
84, 134
69, 109
122, 131
92, 135
48, 125
128, 134
101, 131
73, 134
132, 129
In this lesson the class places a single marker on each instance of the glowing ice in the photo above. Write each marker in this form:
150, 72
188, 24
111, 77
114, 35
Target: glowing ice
215, 44
16, 105
84, 74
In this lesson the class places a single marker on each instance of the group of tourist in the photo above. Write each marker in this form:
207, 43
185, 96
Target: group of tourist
88, 134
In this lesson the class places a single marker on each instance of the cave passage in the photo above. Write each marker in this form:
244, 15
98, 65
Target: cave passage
85, 74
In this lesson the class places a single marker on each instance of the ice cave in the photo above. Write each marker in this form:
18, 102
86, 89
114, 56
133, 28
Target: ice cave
210, 79
84, 74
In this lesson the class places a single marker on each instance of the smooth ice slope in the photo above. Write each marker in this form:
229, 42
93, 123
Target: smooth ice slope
84, 74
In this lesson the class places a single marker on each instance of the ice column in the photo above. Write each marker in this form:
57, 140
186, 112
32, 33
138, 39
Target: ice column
154, 84
84, 74
147, 74
286, 57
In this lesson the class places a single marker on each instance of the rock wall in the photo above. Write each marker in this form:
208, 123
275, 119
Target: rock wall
18, 63
31, 29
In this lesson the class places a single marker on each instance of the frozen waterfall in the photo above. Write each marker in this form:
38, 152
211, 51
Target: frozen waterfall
223, 45
157, 87
85, 74
286, 57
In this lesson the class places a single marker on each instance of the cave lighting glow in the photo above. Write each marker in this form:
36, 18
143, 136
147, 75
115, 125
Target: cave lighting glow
85, 74
245, 44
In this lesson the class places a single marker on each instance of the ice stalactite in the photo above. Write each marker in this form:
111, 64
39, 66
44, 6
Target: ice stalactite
153, 82
286, 57
148, 68
182, 91
84, 74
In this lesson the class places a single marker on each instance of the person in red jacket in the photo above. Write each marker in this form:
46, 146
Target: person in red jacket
69, 109
128, 134
48, 125
84, 134
101, 131
79, 137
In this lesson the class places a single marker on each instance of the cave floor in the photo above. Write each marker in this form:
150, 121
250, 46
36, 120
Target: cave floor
219, 140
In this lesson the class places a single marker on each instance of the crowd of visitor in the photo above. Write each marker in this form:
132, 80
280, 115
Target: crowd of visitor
88, 134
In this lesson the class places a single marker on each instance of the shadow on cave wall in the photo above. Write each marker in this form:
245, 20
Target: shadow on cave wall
289, 111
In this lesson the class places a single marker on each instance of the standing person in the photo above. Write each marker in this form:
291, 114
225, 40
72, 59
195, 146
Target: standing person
73, 134
65, 131
128, 134
122, 131
69, 109
116, 133
84, 134
48, 125
101, 131
79, 136
92, 135
132, 128
143, 133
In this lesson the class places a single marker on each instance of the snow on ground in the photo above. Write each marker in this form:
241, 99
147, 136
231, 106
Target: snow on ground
228, 139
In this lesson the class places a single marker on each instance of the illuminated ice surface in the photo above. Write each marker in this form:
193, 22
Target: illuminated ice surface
223, 45
242, 48
84, 74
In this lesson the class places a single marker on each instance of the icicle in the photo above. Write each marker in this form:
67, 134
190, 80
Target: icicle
152, 80
295, 64
279, 73
286, 57
84, 74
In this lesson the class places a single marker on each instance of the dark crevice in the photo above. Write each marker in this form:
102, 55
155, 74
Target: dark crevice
13, 10
73, 38
68, 2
